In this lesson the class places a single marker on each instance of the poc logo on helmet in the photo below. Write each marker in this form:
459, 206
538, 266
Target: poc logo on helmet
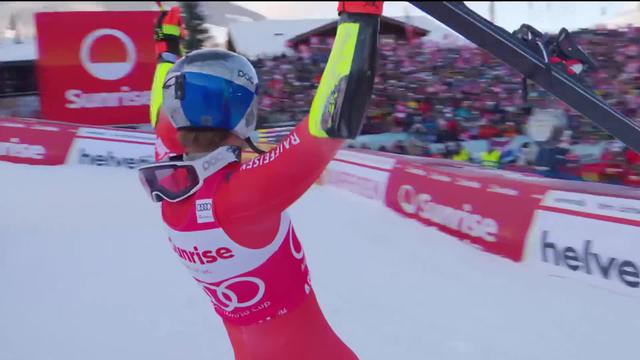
246, 76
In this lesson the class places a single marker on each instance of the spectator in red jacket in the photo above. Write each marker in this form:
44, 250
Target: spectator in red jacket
632, 157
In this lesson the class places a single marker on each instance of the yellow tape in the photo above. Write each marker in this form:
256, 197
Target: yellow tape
156, 91
338, 66
171, 30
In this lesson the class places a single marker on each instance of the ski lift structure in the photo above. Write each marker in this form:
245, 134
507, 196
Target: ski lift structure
555, 64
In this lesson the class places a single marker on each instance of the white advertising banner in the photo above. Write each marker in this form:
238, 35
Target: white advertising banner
366, 182
593, 204
366, 159
117, 135
109, 153
602, 253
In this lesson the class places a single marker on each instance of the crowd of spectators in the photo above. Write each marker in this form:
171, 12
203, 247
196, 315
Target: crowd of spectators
450, 93
441, 94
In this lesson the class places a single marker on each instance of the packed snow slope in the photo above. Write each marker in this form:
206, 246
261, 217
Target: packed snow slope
86, 272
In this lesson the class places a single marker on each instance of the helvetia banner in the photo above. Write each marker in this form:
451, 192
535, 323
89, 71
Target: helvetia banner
589, 238
96, 68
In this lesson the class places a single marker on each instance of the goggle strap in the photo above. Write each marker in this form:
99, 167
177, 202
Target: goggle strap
212, 163
254, 147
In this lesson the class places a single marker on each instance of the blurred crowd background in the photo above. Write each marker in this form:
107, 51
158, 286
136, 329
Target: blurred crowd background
464, 104
457, 102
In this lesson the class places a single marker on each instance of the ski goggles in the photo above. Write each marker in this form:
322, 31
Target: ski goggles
177, 180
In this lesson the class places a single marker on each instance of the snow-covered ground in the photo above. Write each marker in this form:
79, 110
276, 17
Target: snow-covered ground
86, 272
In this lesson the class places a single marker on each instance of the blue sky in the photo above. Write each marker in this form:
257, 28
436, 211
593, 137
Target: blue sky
546, 16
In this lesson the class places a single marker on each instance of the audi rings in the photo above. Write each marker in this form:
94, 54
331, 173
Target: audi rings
297, 255
227, 299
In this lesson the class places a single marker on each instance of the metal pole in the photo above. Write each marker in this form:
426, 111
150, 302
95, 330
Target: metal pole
492, 11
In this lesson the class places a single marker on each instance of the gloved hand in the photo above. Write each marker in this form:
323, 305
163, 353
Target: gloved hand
169, 31
361, 7
571, 66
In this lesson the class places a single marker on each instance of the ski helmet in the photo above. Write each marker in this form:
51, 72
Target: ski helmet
212, 89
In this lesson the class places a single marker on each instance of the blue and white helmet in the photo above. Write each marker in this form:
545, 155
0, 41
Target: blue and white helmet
212, 89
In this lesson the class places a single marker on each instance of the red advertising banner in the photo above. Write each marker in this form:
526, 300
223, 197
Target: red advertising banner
34, 143
474, 205
96, 68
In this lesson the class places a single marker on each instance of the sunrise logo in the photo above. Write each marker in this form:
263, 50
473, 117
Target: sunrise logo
107, 70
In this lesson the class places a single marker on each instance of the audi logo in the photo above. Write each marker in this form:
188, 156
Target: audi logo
227, 299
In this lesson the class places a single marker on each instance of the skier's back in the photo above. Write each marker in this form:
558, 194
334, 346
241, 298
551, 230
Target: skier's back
226, 220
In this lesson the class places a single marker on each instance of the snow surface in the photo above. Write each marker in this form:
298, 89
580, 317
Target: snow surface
86, 272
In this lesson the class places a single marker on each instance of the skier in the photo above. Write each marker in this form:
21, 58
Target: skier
169, 31
226, 220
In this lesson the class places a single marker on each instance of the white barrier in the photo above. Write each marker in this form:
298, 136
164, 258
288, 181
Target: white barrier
587, 232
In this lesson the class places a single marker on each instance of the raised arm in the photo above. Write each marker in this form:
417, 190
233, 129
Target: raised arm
273, 181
